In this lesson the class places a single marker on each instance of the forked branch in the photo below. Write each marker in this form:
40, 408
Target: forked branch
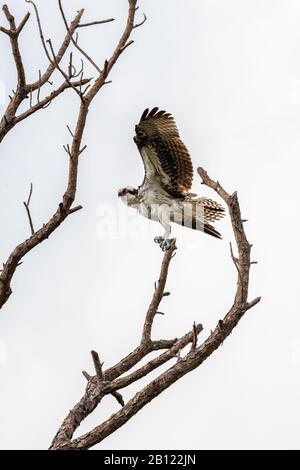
23, 90
76, 148
192, 359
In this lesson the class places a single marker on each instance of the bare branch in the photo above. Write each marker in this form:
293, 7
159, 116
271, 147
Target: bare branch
137, 25
39, 87
92, 397
78, 92
83, 149
13, 33
54, 60
47, 100
72, 135
252, 303
75, 42
80, 72
183, 365
23, 22
97, 365
41, 31
64, 207
243, 245
75, 209
101, 378
27, 204
30, 194
9, 119
62, 50
195, 337
236, 263
108, 65
155, 363
93, 23
4, 30
119, 398
127, 45
158, 293
86, 375
67, 150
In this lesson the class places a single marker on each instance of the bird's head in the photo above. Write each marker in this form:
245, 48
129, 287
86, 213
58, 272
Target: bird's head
128, 195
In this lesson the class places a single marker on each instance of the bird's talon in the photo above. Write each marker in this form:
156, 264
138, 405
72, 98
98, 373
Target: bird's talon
165, 245
158, 240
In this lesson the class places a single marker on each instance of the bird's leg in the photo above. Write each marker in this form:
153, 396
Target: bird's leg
164, 242
164, 218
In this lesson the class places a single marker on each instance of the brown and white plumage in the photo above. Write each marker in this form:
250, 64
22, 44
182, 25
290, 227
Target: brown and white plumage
164, 195
158, 141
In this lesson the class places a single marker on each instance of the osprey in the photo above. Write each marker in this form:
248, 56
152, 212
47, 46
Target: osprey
164, 193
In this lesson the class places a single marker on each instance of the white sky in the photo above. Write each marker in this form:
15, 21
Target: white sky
230, 74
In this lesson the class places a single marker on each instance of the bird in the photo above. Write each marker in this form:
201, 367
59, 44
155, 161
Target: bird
164, 195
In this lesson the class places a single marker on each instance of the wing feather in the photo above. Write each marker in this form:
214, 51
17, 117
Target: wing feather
163, 152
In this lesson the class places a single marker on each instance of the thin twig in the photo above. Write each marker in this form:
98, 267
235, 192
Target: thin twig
80, 72
72, 135
75, 209
54, 59
236, 263
195, 337
61, 51
67, 150
100, 376
92, 23
83, 149
26, 205
30, 194
75, 42
127, 45
46, 101
137, 25
39, 87
22, 24
61, 70
97, 365
86, 375
13, 33
119, 398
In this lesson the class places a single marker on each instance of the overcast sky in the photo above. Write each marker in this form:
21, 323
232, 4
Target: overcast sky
230, 74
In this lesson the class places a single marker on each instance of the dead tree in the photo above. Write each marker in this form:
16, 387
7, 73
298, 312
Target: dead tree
110, 381
73, 78
186, 352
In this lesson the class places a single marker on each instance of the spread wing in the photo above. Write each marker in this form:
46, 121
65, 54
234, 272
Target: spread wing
164, 154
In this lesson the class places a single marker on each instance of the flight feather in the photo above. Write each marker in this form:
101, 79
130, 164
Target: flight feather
164, 154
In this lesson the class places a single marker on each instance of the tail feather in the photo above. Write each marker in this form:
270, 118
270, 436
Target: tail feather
210, 230
196, 224
196, 214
